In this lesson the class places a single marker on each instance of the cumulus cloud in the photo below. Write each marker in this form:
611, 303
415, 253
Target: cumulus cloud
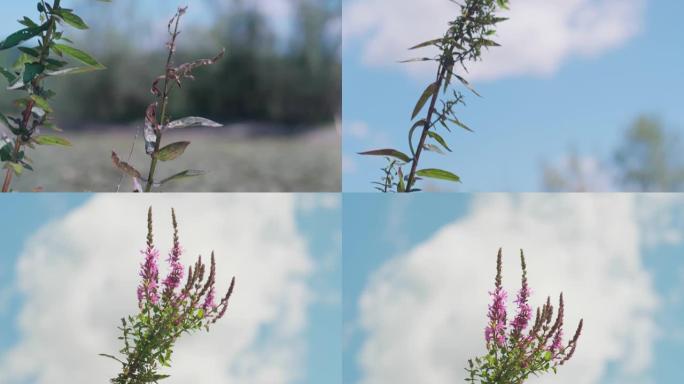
424, 311
77, 277
540, 36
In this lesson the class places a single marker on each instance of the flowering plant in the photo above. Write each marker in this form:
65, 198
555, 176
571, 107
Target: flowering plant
464, 41
38, 61
514, 354
157, 117
166, 311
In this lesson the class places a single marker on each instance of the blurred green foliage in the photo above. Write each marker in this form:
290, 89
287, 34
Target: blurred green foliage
263, 77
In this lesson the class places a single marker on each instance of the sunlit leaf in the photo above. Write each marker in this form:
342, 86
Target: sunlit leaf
42, 103
79, 55
71, 19
52, 140
438, 174
17, 168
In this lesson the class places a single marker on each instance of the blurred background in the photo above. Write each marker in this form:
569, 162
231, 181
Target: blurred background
582, 95
65, 284
278, 90
418, 271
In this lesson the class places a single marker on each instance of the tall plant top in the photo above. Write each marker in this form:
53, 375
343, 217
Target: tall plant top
167, 310
519, 349
462, 43
157, 120
36, 62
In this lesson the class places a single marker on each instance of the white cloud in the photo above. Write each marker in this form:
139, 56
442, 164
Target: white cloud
78, 277
358, 130
424, 311
540, 36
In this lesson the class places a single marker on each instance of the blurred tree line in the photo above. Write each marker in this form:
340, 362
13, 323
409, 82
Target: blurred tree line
650, 158
263, 77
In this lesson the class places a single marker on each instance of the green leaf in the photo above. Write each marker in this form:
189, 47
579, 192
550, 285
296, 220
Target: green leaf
547, 356
419, 123
427, 43
182, 175
388, 152
79, 55
30, 51
427, 94
6, 152
438, 174
17, 168
71, 19
31, 71
42, 103
52, 140
73, 71
192, 122
460, 124
172, 151
19, 36
467, 84
439, 139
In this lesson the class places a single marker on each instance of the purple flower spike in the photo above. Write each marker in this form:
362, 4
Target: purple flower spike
150, 277
149, 271
176, 273
524, 314
209, 303
496, 330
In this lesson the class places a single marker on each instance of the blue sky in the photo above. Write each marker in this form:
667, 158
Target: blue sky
584, 103
317, 220
396, 249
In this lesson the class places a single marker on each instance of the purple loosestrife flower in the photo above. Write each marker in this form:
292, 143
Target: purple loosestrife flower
149, 271
173, 279
209, 300
496, 330
524, 314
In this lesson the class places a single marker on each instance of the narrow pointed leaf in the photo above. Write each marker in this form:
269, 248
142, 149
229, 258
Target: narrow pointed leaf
125, 167
439, 139
182, 175
192, 122
388, 152
427, 43
438, 174
73, 71
79, 55
72, 19
427, 94
52, 140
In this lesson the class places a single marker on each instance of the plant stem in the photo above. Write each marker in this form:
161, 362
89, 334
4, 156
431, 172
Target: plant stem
165, 102
414, 163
